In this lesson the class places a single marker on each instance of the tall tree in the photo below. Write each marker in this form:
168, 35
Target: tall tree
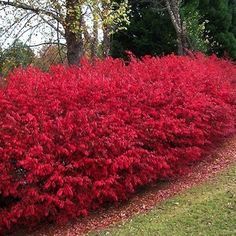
66, 19
108, 17
173, 7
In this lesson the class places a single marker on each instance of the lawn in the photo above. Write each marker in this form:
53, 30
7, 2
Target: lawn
207, 209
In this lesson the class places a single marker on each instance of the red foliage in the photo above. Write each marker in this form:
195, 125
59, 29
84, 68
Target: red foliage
74, 139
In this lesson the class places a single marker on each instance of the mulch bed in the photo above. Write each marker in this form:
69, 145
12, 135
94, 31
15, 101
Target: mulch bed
146, 198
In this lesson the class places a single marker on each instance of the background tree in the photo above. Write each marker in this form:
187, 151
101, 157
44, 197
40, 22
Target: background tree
62, 21
149, 32
196, 26
50, 55
106, 18
161, 27
18, 54
173, 8
221, 26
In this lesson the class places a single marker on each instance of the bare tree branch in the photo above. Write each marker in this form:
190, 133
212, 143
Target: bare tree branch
33, 29
20, 32
45, 43
57, 29
33, 9
58, 42
14, 24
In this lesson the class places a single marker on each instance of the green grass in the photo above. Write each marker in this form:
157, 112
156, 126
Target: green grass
208, 209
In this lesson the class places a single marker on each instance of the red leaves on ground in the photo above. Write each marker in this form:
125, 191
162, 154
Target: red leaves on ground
74, 139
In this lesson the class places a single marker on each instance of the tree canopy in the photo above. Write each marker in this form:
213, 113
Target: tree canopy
150, 32
221, 26
74, 23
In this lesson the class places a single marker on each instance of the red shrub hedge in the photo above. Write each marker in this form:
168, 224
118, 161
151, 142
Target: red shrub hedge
76, 138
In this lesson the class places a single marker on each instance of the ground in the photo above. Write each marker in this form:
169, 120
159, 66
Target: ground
166, 198
207, 209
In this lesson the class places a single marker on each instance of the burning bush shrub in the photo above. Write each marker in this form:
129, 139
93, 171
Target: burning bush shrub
76, 138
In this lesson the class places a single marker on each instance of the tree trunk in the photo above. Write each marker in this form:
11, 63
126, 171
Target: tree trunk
106, 42
182, 39
94, 41
75, 48
173, 7
73, 32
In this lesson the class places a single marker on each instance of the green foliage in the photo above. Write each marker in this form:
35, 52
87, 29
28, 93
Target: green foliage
149, 32
18, 54
195, 26
115, 15
221, 27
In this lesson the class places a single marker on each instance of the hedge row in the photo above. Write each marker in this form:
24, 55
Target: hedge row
74, 139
